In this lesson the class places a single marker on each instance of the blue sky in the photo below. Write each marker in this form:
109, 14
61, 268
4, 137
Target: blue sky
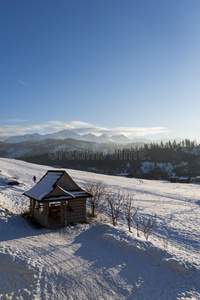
122, 66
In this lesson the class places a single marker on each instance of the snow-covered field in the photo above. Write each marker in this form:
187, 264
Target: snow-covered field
97, 260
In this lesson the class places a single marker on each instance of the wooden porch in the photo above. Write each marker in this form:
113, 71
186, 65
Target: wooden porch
59, 213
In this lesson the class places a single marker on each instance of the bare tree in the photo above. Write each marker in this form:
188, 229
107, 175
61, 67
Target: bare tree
115, 201
97, 189
148, 225
137, 226
130, 211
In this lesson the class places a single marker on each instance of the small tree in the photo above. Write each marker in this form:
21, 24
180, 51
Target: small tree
115, 201
97, 189
148, 225
130, 211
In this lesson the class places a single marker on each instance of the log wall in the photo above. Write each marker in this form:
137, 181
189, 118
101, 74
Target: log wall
78, 213
39, 217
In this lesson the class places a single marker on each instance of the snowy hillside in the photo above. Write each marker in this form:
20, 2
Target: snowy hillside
97, 260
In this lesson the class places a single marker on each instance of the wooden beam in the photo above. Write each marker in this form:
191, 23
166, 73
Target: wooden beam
61, 213
46, 214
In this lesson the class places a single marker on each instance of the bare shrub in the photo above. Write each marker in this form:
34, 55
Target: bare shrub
165, 242
130, 210
115, 201
137, 227
97, 189
147, 226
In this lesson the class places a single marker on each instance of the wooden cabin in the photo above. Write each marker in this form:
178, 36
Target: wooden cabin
56, 200
183, 179
173, 179
198, 179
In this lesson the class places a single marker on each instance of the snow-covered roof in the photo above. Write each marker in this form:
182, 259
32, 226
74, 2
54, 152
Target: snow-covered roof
68, 195
183, 178
43, 189
123, 174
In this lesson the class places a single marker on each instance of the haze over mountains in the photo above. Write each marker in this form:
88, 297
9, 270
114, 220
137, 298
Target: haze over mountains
69, 140
87, 151
72, 134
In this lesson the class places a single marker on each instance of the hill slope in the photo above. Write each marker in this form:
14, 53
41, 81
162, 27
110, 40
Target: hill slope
98, 261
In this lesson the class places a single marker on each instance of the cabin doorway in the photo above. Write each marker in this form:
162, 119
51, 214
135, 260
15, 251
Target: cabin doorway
54, 217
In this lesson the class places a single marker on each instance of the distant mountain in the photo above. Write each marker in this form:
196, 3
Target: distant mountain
120, 138
80, 136
34, 137
62, 135
32, 146
65, 134
91, 152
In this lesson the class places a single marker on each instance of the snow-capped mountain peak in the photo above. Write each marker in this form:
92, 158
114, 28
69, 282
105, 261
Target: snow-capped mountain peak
65, 134
34, 137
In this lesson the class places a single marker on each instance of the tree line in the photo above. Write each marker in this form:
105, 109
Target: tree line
183, 156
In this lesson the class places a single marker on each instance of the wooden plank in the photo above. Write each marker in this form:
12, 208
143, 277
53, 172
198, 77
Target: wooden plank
75, 210
46, 214
75, 215
77, 220
76, 205
38, 217
61, 212
84, 208
65, 212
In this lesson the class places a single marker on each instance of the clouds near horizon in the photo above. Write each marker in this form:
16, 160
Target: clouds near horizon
79, 126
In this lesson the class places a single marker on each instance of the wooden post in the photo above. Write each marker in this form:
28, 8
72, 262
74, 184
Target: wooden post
34, 204
65, 213
61, 212
85, 209
46, 214
31, 205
